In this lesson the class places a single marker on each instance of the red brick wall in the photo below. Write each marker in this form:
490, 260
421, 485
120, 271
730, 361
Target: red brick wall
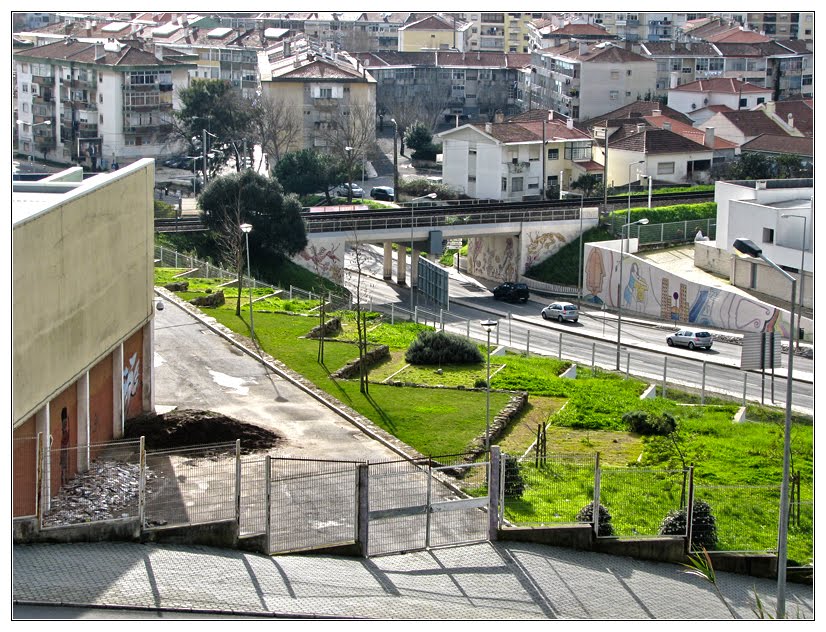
24, 468
63, 461
100, 403
133, 375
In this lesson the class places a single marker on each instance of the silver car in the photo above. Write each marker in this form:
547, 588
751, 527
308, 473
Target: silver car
561, 311
691, 338
356, 190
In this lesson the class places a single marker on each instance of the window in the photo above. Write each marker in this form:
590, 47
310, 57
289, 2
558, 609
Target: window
25, 107
325, 93
627, 73
744, 102
664, 168
25, 87
768, 235
504, 184
614, 95
615, 74
101, 119
553, 154
516, 184
761, 100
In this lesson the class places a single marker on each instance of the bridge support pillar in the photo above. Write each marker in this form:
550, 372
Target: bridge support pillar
401, 264
414, 268
388, 260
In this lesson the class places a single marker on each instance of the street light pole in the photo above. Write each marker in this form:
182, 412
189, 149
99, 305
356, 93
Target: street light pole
349, 151
748, 247
633, 164
802, 261
246, 228
642, 221
395, 158
488, 325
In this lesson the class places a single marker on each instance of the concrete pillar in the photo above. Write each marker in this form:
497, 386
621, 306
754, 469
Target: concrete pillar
148, 369
388, 260
83, 422
117, 392
41, 421
414, 268
401, 264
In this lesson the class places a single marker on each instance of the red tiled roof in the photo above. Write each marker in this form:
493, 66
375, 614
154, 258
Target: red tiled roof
72, 50
753, 122
580, 29
802, 110
321, 69
657, 141
781, 144
738, 36
719, 108
688, 131
603, 53
635, 111
727, 86
430, 23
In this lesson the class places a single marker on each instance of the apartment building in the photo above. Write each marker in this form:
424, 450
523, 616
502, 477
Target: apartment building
99, 104
435, 32
544, 33
582, 80
777, 25
330, 91
636, 26
499, 31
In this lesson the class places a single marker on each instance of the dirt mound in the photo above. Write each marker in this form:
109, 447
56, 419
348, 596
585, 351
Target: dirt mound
189, 427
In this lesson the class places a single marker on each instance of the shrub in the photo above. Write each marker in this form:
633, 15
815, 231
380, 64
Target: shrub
514, 483
645, 423
703, 525
439, 347
586, 514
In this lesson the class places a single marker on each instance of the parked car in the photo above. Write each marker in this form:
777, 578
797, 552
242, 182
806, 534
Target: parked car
691, 338
178, 162
357, 191
561, 311
511, 292
383, 193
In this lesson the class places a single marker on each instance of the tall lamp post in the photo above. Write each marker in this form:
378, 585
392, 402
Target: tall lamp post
395, 158
642, 221
633, 164
246, 228
579, 265
748, 247
488, 325
349, 151
802, 261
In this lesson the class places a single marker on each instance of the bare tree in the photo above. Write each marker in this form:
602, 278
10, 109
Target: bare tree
421, 102
361, 325
276, 124
231, 244
351, 134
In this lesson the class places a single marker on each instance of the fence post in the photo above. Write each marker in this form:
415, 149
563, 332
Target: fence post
689, 513
427, 503
38, 475
176, 258
597, 477
593, 358
528, 344
142, 485
238, 484
703, 388
392, 314
416, 314
662, 233
267, 501
665, 373
745, 384
363, 505
494, 485
510, 333
559, 347
627, 364
497, 336
291, 291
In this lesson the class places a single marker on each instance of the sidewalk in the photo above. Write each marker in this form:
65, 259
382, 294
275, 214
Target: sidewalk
497, 581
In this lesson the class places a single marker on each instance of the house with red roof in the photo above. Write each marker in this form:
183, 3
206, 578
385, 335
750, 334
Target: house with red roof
732, 93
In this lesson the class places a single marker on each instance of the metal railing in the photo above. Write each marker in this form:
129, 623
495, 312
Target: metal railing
170, 258
672, 232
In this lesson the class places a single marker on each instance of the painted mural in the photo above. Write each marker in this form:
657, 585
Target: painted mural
493, 258
326, 260
649, 290
540, 246
131, 380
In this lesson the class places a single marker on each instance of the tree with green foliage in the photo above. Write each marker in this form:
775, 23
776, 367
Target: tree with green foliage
419, 138
308, 171
587, 183
440, 347
249, 198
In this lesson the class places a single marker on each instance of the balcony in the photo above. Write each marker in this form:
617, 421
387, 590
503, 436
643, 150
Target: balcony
326, 104
43, 81
45, 97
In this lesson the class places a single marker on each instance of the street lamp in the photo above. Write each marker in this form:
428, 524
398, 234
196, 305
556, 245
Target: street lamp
412, 221
642, 221
21, 122
395, 158
349, 151
748, 247
633, 164
488, 325
579, 265
802, 260
246, 228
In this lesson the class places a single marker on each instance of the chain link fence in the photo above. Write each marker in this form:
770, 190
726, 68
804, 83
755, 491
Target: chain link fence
169, 258
253, 496
398, 520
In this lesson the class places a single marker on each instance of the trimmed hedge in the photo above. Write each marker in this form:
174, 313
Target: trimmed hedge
439, 347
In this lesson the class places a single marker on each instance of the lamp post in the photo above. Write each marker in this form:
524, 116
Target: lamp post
633, 164
642, 221
802, 261
579, 265
349, 151
395, 158
748, 247
246, 228
488, 325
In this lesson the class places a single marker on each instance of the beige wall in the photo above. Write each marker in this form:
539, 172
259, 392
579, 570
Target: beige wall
416, 40
82, 281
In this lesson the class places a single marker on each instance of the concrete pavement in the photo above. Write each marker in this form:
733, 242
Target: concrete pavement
497, 581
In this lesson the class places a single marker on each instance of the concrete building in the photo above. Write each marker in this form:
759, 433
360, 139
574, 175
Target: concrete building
732, 93
332, 92
96, 103
435, 32
499, 32
755, 210
82, 311
516, 159
582, 80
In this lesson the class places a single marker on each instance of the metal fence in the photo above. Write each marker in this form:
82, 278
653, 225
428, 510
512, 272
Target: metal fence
398, 520
668, 232
167, 257
312, 503
95, 483
736, 505
191, 486
253, 503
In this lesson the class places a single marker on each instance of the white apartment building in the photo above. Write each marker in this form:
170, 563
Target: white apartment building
96, 103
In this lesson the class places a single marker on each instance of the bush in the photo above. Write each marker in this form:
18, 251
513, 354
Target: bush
645, 423
514, 483
586, 514
439, 347
703, 526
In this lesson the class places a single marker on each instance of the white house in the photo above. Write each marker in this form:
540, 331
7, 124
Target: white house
732, 93
503, 160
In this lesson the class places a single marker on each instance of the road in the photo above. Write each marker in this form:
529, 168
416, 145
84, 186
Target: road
644, 352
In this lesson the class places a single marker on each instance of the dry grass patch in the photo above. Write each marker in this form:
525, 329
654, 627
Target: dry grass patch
615, 448
522, 432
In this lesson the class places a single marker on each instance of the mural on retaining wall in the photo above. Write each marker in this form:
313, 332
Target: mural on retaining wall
649, 290
540, 246
325, 260
492, 258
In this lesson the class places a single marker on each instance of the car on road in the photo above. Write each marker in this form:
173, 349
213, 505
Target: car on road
561, 311
511, 292
356, 190
383, 193
691, 338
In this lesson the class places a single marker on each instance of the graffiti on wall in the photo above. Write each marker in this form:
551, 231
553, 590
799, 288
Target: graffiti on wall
492, 258
647, 289
131, 380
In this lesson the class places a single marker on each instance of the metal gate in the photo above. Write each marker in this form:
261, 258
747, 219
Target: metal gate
417, 505
310, 504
